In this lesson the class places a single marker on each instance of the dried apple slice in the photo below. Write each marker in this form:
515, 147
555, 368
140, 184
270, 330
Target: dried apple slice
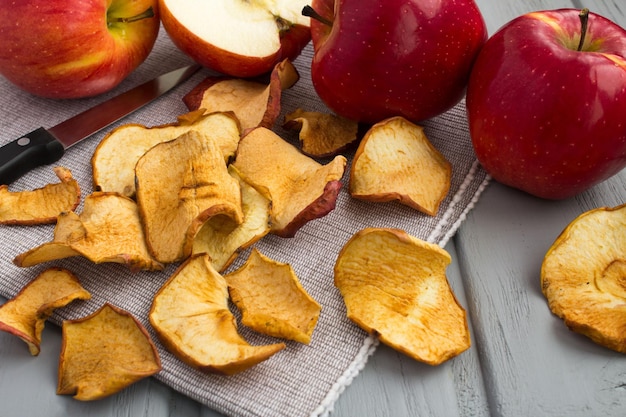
223, 239
583, 276
191, 318
395, 287
108, 230
272, 300
176, 199
253, 102
40, 206
300, 188
113, 162
25, 314
103, 353
322, 135
396, 161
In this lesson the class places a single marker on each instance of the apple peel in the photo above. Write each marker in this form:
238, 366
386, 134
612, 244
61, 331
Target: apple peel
394, 286
25, 314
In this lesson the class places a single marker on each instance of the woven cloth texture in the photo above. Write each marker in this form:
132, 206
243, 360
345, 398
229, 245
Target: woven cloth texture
301, 380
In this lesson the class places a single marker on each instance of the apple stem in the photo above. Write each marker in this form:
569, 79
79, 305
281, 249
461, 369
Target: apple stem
145, 15
584, 22
310, 12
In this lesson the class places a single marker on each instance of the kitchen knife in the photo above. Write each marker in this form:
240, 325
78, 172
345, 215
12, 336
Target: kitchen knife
45, 146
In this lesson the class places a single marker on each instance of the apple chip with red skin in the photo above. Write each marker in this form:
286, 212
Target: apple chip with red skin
176, 199
40, 206
113, 162
272, 300
103, 353
396, 161
254, 103
583, 276
108, 230
191, 317
300, 188
395, 287
25, 314
222, 238
322, 135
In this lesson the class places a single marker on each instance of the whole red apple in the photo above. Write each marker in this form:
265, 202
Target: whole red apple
377, 59
74, 48
546, 115
240, 38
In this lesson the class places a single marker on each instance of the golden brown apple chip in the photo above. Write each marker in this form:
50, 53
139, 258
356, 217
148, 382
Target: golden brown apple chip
176, 198
103, 353
583, 276
254, 103
395, 287
223, 239
108, 230
25, 315
300, 188
113, 162
191, 318
396, 161
42, 205
322, 134
271, 299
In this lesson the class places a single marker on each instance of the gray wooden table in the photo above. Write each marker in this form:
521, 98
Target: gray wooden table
523, 361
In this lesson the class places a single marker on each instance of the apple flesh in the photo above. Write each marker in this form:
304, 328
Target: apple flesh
374, 60
69, 48
545, 117
237, 37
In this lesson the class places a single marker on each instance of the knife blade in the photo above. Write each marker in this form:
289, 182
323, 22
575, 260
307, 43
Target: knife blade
45, 146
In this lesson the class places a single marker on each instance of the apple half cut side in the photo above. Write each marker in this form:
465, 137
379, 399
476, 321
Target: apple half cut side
236, 37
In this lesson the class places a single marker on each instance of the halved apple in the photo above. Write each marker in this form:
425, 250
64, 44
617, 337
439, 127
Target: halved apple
237, 37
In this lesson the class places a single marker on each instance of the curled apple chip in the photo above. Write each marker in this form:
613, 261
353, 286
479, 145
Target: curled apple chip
113, 162
322, 134
300, 188
176, 199
222, 238
42, 205
103, 353
583, 276
191, 318
25, 314
253, 102
108, 230
272, 300
396, 161
395, 287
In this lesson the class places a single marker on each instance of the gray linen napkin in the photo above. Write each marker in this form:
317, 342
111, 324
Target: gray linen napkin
300, 380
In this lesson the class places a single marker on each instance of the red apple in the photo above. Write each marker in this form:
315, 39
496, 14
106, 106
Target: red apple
377, 59
74, 48
546, 116
240, 38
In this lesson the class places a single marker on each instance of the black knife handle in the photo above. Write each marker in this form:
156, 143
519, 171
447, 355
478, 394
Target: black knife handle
32, 150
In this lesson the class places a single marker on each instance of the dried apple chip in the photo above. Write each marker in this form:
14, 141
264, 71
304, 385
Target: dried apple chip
113, 162
42, 205
300, 188
108, 230
583, 276
25, 315
322, 135
103, 353
395, 287
222, 238
396, 161
191, 318
272, 300
176, 199
253, 102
